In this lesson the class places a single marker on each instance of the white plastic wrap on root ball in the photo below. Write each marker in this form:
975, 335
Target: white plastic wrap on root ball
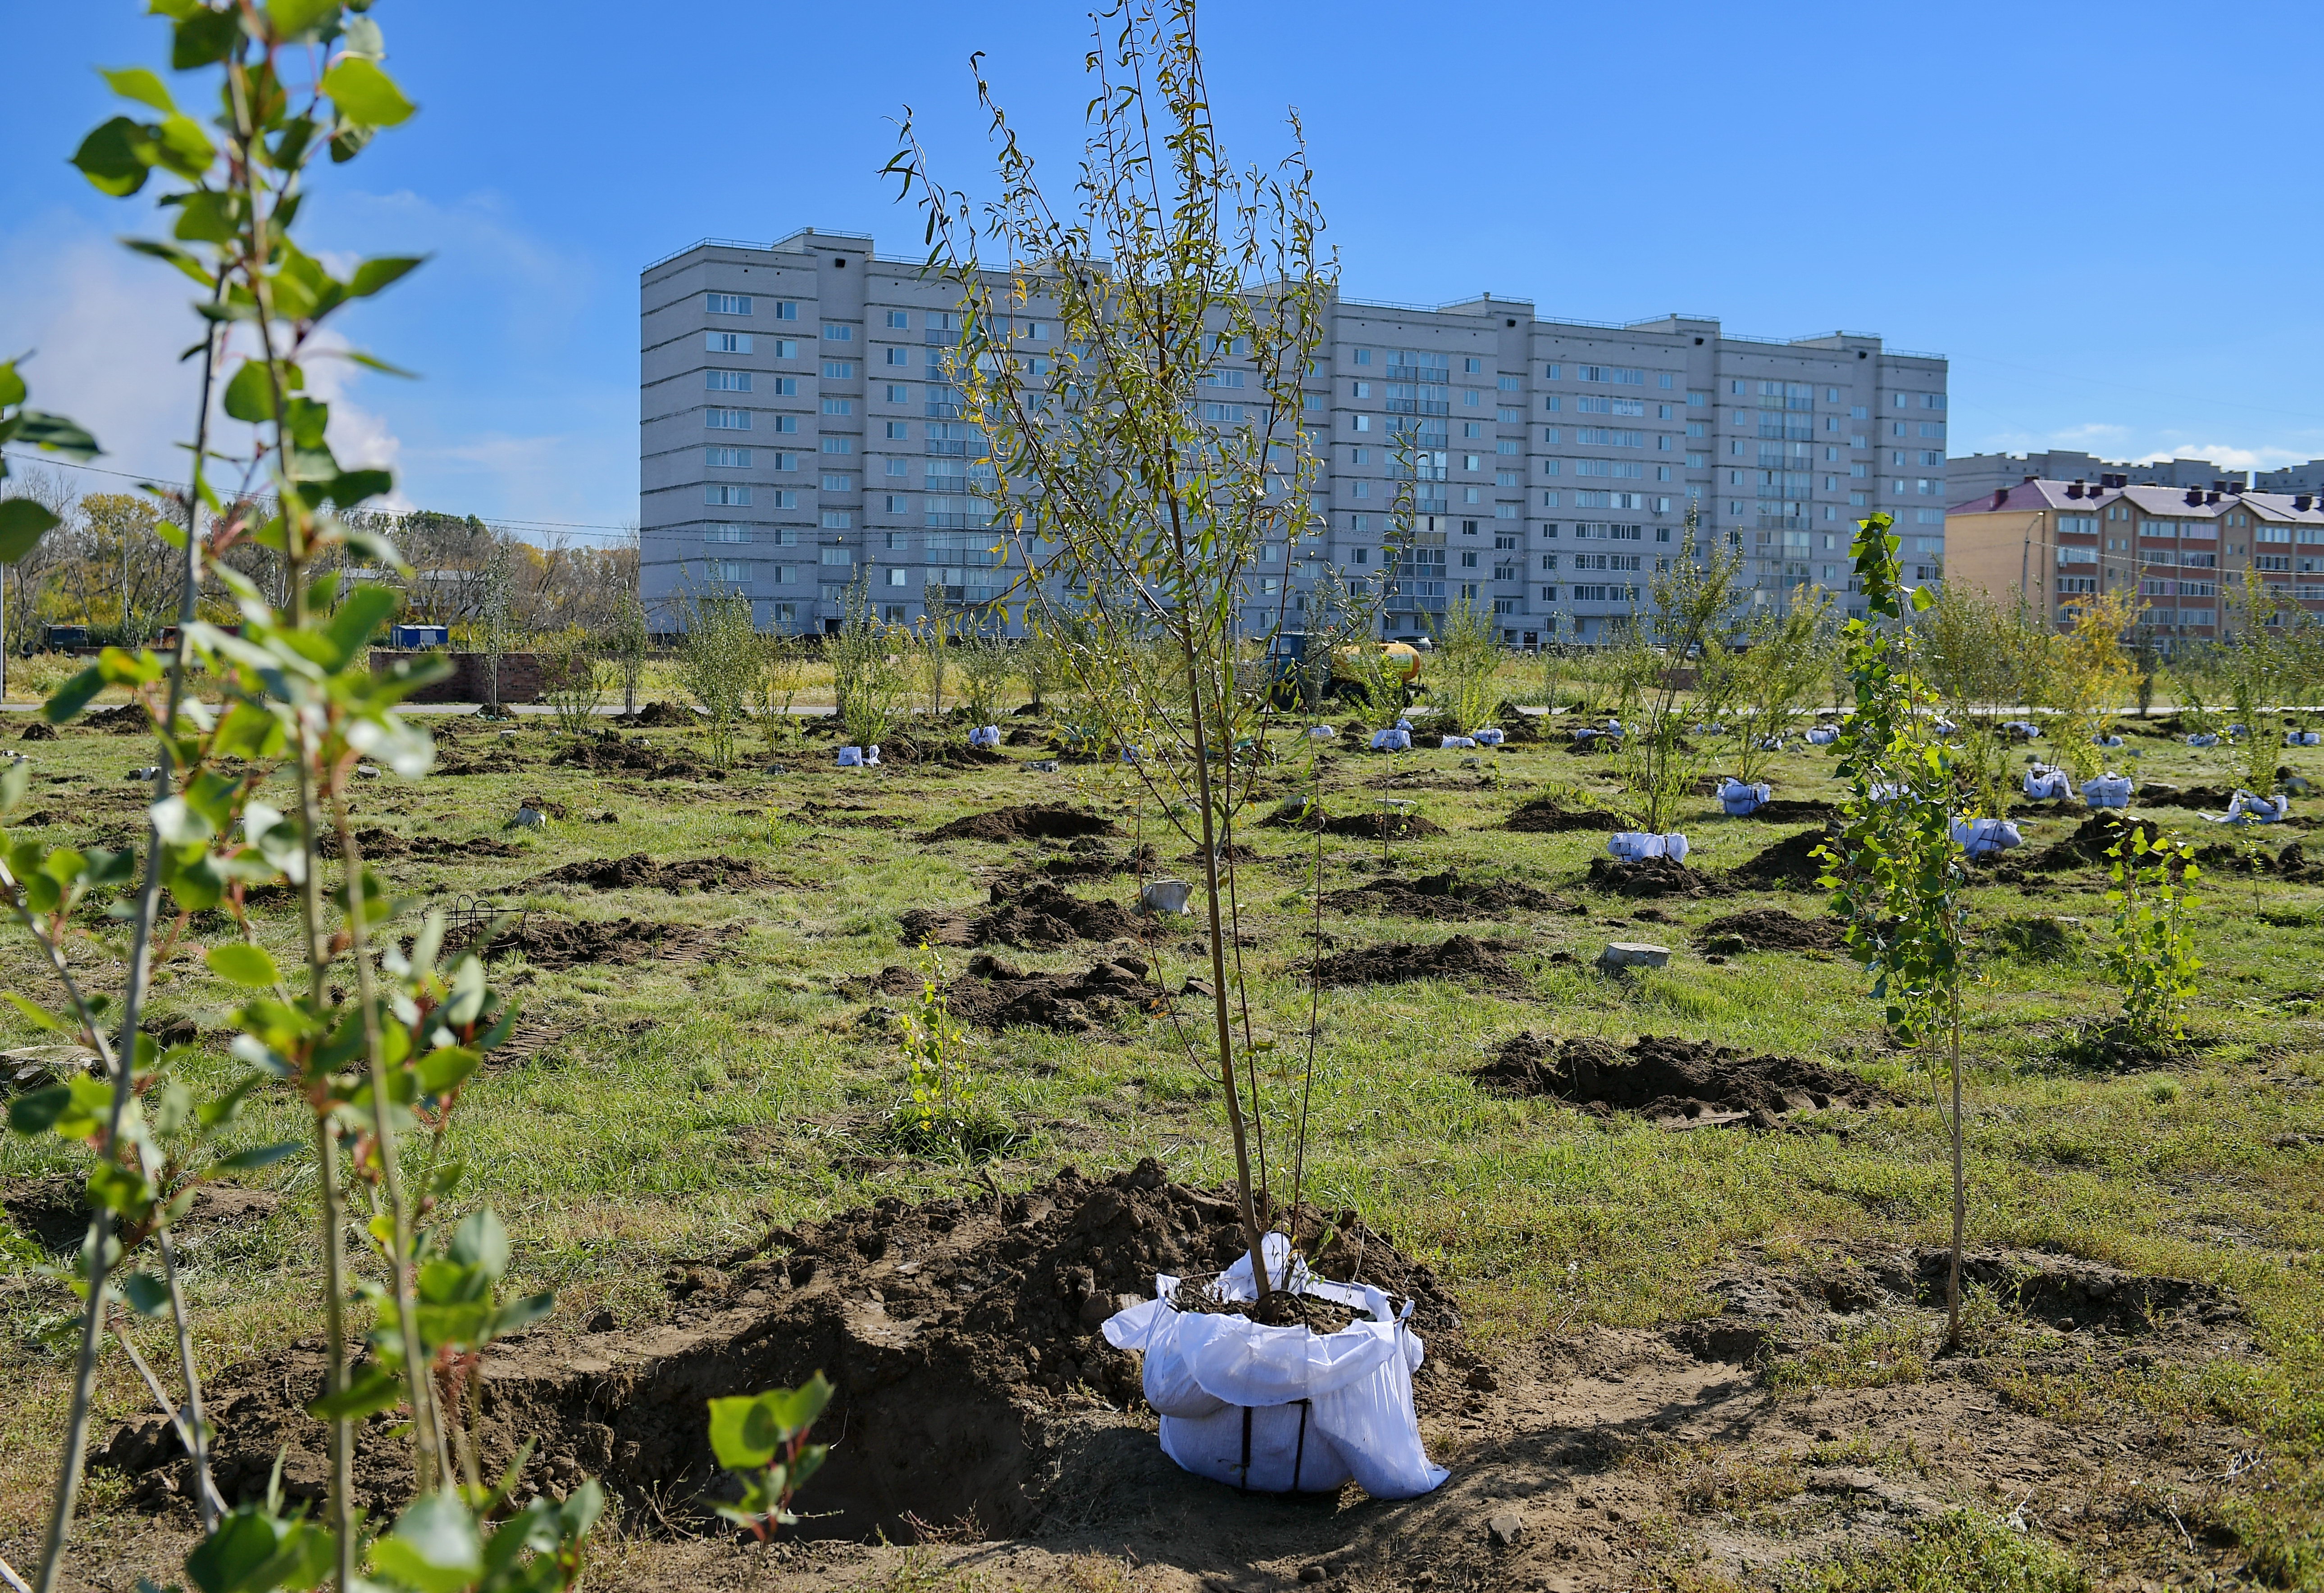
987, 736
2302, 738
1450, 743
2044, 784
1823, 735
1283, 1410
1636, 845
2024, 730
2108, 790
1740, 800
1395, 738
851, 758
2106, 740
1979, 837
1321, 733
1487, 737
2249, 809
2202, 740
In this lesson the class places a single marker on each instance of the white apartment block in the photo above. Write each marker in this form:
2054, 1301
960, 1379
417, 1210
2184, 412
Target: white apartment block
798, 430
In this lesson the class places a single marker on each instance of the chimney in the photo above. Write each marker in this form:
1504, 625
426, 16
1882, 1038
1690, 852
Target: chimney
2000, 496
2302, 503
2217, 488
2211, 497
2194, 496
2074, 490
2028, 481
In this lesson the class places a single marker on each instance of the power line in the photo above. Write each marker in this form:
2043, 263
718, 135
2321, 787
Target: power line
552, 525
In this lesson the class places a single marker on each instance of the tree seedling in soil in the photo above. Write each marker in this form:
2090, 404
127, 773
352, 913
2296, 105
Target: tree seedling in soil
2153, 953
1895, 865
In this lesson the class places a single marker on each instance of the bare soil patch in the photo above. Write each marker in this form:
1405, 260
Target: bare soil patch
1024, 913
660, 716
37, 729
1676, 1083
1385, 825
638, 871
1088, 859
127, 719
1025, 822
612, 755
1794, 810
948, 751
1545, 815
567, 942
48, 1210
1457, 957
1771, 929
1790, 864
1444, 896
1650, 877
378, 843
962, 1335
992, 994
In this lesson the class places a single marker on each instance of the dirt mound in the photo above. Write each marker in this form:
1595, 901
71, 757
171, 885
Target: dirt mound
1770, 929
454, 763
638, 871
37, 729
128, 719
2068, 1293
1649, 876
378, 843
2192, 797
48, 1210
1089, 860
1026, 822
1794, 810
996, 996
565, 943
1790, 864
948, 751
659, 716
1025, 913
1385, 825
612, 755
1458, 957
962, 1335
1678, 1084
1545, 815
2086, 847
1443, 895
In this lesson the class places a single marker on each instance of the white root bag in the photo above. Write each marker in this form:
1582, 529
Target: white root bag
1283, 1410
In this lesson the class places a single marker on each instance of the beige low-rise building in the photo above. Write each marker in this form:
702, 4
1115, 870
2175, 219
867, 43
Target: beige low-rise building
2180, 555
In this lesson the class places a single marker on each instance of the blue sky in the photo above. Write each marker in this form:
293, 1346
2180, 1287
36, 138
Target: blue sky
2107, 215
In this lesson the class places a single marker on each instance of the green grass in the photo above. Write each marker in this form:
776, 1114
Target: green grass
685, 1107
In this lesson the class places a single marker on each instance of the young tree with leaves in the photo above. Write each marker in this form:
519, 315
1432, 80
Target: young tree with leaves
1895, 864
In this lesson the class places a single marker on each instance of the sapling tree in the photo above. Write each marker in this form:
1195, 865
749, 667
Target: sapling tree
719, 660
987, 666
2089, 679
1132, 501
1462, 664
1895, 864
1769, 685
780, 677
627, 642
575, 678
373, 1033
2151, 954
2253, 660
869, 673
1693, 596
761, 1440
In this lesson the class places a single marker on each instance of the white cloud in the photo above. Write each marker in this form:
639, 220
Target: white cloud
2226, 455
108, 328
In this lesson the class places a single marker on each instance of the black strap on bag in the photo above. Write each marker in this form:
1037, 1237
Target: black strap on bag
1298, 1452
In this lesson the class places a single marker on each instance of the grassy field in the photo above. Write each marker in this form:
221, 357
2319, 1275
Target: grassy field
671, 1108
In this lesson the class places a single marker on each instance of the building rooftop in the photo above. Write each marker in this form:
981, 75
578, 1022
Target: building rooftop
2167, 502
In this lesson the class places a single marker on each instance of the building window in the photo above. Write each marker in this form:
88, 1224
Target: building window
838, 406
727, 458
728, 493
734, 304
726, 380
837, 332
899, 319
727, 420
726, 342
839, 445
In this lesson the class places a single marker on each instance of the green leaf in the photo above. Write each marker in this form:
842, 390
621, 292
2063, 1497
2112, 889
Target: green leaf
373, 275
260, 1155
517, 1314
15, 781
434, 1546
147, 1294
38, 1014
360, 616
116, 157
254, 1550
39, 1111
23, 524
204, 37
73, 696
205, 218
56, 435
365, 94
249, 393
248, 966
748, 1430
446, 1066
481, 1241
291, 19
178, 825
140, 85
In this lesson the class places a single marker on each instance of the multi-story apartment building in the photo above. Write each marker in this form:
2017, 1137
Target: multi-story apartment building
799, 430
2293, 479
2181, 554
1974, 475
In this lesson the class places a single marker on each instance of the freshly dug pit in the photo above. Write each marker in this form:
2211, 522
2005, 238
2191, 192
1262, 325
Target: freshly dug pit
37, 729
954, 753
1676, 1083
1443, 895
844, 816
611, 755
1772, 929
1089, 860
2086, 847
2071, 1295
1025, 913
638, 871
994, 995
454, 763
1457, 957
378, 843
1295, 814
960, 1335
1026, 822
1794, 810
1790, 864
48, 1210
1545, 815
1650, 876
1233, 851
2194, 798
566, 943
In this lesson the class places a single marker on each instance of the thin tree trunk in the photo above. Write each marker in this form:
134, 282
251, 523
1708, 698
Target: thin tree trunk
1953, 1278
